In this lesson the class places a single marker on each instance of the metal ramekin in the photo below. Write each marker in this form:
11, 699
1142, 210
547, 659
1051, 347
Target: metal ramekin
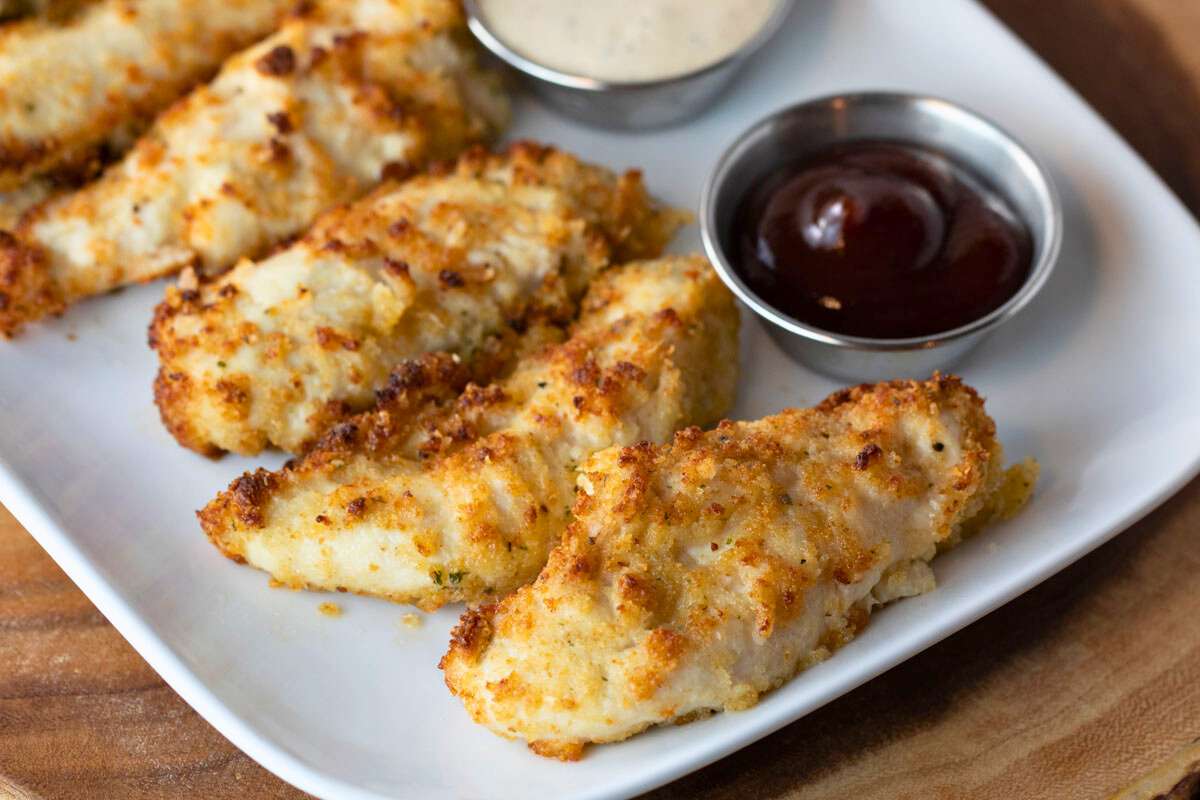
990, 153
632, 104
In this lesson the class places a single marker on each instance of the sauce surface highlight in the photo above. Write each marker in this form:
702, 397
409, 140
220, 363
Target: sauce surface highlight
626, 40
881, 240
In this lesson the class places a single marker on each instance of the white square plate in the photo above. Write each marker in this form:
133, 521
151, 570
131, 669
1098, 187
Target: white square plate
1097, 379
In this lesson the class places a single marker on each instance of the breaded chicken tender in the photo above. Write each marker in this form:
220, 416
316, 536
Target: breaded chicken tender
76, 78
277, 350
342, 95
698, 575
430, 501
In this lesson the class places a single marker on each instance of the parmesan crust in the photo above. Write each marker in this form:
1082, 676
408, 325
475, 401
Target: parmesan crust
698, 575
342, 95
458, 260
438, 497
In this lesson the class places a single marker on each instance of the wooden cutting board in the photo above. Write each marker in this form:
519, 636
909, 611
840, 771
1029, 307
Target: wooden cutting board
1086, 687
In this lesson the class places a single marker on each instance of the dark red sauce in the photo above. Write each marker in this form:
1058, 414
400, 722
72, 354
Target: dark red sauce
881, 240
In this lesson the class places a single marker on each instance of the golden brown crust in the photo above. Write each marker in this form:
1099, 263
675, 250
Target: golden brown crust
561, 750
472, 634
464, 258
25, 288
697, 575
436, 497
171, 388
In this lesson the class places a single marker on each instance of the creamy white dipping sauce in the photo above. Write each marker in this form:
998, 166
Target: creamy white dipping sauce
626, 40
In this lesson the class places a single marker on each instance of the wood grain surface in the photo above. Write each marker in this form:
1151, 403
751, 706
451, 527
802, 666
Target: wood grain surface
1086, 687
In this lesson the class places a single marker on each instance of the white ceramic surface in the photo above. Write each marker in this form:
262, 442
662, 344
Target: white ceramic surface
1097, 379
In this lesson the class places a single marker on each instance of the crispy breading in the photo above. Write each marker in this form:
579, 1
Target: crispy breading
695, 576
430, 501
346, 93
443, 262
77, 78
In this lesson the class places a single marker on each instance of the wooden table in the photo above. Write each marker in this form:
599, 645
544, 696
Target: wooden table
1086, 687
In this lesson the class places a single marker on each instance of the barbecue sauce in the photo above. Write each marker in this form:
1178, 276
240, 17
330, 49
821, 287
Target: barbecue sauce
881, 240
